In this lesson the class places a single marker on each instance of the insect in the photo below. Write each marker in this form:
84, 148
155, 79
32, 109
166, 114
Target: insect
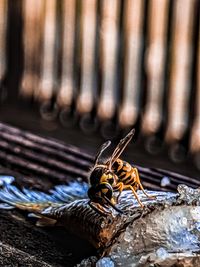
115, 175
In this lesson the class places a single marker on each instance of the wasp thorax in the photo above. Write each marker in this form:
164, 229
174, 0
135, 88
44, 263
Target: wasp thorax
117, 164
101, 175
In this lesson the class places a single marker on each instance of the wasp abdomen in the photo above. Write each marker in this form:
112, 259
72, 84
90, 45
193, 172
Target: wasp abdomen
121, 168
124, 172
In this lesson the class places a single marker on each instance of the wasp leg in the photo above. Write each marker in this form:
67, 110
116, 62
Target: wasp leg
98, 208
119, 187
122, 187
140, 185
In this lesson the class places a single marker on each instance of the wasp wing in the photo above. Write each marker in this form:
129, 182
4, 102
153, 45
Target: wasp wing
102, 148
120, 147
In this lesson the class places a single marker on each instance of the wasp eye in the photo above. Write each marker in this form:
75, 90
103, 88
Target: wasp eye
96, 175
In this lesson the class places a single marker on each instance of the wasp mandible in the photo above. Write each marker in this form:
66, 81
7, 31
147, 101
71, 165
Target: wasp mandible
114, 175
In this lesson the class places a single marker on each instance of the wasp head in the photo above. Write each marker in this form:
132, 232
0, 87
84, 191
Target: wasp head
102, 194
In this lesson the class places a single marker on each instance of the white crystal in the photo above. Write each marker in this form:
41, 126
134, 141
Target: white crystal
195, 213
105, 262
128, 237
165, 181
183, 222
162, 253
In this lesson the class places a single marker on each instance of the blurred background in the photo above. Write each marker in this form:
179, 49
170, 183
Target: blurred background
85, 71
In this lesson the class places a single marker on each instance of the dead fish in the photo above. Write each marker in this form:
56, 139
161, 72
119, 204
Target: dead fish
110, 234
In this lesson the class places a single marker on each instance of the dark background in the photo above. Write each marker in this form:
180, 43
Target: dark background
45, 119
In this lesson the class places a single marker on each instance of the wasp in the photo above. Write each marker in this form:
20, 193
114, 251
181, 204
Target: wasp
113, 175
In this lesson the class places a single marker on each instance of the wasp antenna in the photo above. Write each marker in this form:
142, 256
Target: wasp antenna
111, 204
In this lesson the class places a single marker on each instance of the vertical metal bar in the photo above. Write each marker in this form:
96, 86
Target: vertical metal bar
179, 88
133, 20
85, 99
32, 35
155, 64
65, 94
47, 81
3, 28
195, 136
108, 42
